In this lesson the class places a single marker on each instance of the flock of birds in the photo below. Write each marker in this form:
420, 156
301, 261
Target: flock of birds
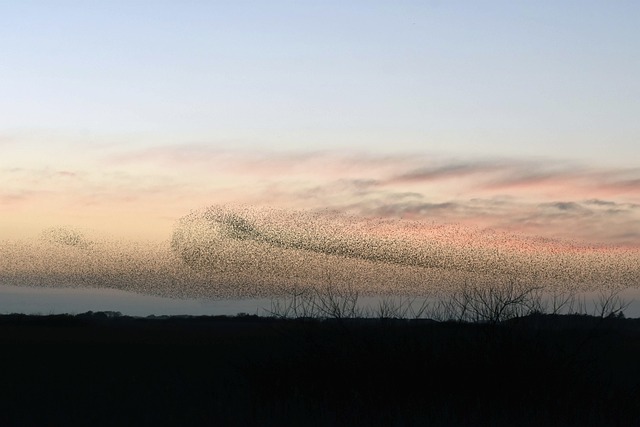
242, 252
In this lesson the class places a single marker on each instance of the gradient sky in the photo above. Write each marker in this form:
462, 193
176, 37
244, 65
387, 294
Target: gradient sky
122, 116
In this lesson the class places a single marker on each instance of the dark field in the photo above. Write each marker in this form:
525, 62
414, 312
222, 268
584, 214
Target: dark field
101, 369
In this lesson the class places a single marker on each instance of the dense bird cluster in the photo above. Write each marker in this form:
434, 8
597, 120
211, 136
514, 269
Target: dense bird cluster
225, 252
282, 244
66, 236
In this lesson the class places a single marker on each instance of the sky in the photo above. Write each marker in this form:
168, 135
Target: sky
547, 78
122, 117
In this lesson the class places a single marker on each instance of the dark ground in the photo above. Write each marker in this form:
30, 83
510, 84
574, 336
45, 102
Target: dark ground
95, 369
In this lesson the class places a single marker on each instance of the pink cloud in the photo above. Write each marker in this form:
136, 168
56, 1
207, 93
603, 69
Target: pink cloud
263, 162
540, 197
67, 174
15, 198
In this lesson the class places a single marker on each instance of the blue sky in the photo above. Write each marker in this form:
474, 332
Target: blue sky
495, 78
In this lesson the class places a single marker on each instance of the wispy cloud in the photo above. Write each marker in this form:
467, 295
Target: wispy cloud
453, 170
549, 197
13, 198
546, 197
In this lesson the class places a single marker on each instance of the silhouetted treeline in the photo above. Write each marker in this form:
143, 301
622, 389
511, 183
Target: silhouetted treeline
107, 369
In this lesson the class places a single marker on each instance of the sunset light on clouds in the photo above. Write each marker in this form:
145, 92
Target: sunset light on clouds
144, 191
486, 119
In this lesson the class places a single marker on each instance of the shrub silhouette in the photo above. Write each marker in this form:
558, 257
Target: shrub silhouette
470, 304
